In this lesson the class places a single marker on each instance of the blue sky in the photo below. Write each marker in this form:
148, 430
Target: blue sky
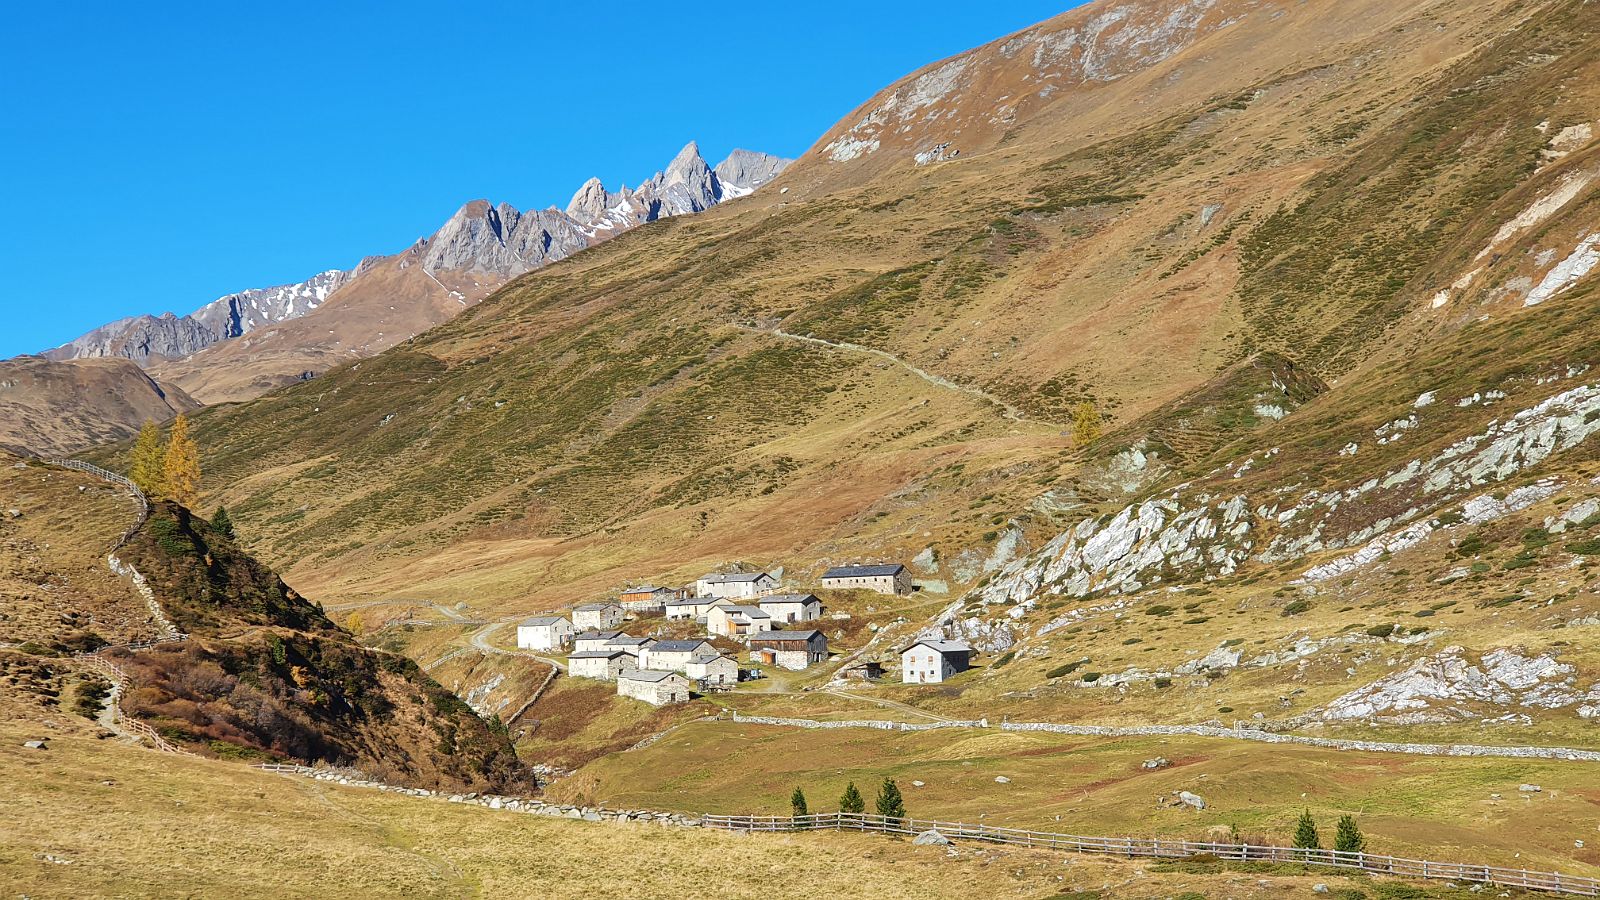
158, 156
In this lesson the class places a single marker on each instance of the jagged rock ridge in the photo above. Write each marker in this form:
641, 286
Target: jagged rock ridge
480, 239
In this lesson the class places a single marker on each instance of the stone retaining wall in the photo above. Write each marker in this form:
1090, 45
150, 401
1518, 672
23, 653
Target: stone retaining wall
494, 801
1241, 734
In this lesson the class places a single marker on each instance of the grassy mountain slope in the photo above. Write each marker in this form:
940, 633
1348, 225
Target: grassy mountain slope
631, 412
52, 408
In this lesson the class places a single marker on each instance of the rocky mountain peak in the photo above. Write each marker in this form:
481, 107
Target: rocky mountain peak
591, 201
749, 169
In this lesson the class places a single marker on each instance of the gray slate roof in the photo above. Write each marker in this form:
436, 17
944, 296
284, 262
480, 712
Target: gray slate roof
593, 606
863, 571
543, 620
677, 646
942, 646
596, 654
647, 675
592, 635
733, 577
783, 635
627, 640
750, 612
789, 598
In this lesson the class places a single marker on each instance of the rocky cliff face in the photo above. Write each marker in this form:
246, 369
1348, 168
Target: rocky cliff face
139, 338
241, 313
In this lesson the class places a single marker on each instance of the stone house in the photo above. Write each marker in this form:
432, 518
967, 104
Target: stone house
864, 671
730, 620
786, 608
604, 614
891, 578
712, 670
673, 656
584, 641
602, 664
789, 649
629, 644
735, 585
689, 607
654, 687
544, 633
647, 598
930, 661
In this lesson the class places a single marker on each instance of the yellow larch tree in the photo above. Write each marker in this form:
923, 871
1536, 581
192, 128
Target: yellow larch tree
148, 466
182, 465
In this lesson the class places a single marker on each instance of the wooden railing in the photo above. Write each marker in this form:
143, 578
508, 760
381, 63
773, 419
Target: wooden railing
119, 680
1371, 863
114, 478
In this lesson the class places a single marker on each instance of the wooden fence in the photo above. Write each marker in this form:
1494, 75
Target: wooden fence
1370, 863
119, 680
114, 478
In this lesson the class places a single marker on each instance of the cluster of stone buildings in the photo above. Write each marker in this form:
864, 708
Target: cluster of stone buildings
748, 607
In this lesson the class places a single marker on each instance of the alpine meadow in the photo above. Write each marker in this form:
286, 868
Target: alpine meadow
1155, 454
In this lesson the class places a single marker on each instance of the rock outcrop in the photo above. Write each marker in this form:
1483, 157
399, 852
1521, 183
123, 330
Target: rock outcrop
1449, 686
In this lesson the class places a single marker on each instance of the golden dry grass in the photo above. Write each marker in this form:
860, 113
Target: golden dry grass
1415, 806
91, 818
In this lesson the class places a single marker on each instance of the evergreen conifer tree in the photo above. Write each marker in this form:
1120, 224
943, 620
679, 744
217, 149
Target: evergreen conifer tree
1305, 833
889, 803
852, 801
1348, 838
222, 523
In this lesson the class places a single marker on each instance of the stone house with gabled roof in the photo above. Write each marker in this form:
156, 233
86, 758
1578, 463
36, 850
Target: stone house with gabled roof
788, 608
932, 660
673, 656
647, 598
712, 670
653, 686
602, 664
594, 640
604, 614
887, 578
789, 649
735, 585
732, 620
544, 633
689, 607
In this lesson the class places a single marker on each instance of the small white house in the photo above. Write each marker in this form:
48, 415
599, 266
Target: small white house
931, 661
602, 664
735, 585
789, 649
602, 615
713, 669
787, 608
544, 633
658, 688
891, 578
730, 620
673, 656
689, 607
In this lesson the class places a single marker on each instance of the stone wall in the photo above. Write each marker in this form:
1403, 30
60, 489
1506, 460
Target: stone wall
1212, 731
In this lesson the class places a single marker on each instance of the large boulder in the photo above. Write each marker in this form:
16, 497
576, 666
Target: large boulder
932, 838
